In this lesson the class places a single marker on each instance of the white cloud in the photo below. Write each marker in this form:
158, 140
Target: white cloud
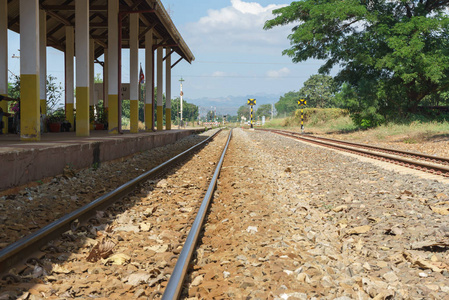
278, 73
218, 74
237, 26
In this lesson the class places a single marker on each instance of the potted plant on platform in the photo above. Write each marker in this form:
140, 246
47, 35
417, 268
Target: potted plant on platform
100, 116
55, 119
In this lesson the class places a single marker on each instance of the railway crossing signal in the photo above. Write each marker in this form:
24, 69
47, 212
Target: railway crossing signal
251, 102
302, 102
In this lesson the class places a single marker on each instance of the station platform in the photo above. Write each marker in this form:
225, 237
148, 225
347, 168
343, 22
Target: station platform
24, 162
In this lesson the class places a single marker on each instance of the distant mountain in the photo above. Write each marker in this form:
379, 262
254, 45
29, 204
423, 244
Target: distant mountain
229, 105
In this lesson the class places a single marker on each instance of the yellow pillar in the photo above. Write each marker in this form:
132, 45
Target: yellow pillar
160, 117
29, 107
148, 117
4, 106
43, 106
113, 113
29, 71
82, 67
134, 115
168, 118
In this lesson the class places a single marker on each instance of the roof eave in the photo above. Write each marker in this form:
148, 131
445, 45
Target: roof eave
174, 33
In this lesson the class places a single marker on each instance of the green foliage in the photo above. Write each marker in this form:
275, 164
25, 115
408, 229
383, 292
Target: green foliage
14, 87
244, 111
56, 116
264, 110
98, 78
54, 92
288, 103
318, 90
314, 116
126, 110
100, 113
364, 114
392, 54
318, 117
189, 111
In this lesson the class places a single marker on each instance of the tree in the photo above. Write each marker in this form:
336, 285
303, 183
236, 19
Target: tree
190, 111
287, 103
54, 92
392, 54
264, 110
318, 90
244, 111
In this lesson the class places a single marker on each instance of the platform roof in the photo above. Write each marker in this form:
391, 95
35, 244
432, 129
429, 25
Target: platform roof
62, 13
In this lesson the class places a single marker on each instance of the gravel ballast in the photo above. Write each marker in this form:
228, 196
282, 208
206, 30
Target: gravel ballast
295, 221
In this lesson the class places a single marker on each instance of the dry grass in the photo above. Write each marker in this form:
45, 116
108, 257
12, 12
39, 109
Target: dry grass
343, 128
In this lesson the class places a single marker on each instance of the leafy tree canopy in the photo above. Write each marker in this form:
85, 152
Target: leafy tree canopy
190, 111
244, 111
391, 54
287, 103
264, 110
318, 90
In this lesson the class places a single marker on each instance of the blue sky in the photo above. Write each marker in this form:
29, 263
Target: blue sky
234, 56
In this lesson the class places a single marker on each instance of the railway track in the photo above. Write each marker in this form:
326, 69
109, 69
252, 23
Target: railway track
277, 228
418, 161
96, 229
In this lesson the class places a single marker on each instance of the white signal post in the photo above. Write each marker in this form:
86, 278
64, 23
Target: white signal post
181, 94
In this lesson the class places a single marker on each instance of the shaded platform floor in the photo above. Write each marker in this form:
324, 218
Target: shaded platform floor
23, 162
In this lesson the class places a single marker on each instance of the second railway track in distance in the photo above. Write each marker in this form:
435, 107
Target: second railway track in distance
419, 161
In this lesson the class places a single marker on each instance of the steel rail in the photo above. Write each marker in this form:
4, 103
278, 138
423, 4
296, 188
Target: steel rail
20, 250
404, 152
430, 166
173, 289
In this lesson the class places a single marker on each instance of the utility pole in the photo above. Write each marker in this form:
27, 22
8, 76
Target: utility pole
181, 94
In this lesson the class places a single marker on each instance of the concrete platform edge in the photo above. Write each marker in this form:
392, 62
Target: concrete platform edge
33, 164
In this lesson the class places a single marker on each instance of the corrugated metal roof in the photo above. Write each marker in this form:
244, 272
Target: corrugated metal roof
62, 13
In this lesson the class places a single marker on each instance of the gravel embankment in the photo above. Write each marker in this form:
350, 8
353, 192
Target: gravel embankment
293, 221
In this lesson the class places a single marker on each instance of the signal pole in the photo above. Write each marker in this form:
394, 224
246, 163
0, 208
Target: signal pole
251, 103
181, 94
302, 102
